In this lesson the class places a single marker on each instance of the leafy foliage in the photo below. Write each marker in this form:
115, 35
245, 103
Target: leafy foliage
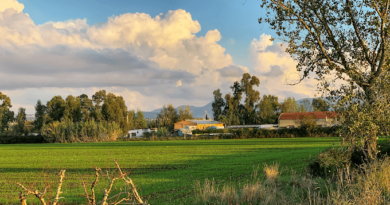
68, 131
268, 109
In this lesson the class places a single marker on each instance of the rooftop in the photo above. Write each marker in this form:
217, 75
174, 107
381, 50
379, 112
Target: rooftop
204, 121
317, 115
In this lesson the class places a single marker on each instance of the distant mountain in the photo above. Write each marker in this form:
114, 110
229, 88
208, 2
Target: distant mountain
199, 112
30, 116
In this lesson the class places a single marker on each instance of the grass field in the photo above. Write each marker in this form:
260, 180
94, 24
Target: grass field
164, 171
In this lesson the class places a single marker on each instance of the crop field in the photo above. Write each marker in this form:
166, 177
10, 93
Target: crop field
163, 171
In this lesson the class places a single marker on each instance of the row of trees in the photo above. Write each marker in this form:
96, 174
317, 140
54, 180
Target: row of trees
230, 109
101, 107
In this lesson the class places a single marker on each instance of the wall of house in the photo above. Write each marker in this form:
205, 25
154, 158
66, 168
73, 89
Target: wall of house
320, 122
205, 126
183, 124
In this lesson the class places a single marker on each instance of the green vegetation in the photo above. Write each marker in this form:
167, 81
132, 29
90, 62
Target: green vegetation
163, 171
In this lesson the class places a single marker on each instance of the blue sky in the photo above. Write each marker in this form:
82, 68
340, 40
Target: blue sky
150, 52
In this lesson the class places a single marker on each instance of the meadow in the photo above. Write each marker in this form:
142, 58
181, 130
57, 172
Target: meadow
164, 171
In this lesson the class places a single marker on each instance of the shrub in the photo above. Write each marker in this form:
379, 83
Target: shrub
19, 139
162, 132
68, 131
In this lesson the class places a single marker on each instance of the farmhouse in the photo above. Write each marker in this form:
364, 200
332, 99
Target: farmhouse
324, 119
198, 124
137, 133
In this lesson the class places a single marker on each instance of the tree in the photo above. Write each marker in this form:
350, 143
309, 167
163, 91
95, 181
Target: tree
229, 116
40, 115
289, 105
55, 109
167, 117
115, 110
307, 105
236, 107
268, 109
139, 121
185, 114
320, 105
251, 97
21, 120
86, 107
348, 39
72, 111
6, 115
131, 116
217, 104
307, 123
4, 111
98, 98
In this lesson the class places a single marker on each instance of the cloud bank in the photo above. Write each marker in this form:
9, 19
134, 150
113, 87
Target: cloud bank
148, 60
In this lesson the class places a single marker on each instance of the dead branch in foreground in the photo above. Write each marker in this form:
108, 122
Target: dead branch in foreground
92, 199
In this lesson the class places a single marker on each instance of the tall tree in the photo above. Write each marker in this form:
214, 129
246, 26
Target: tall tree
320, 105
307, 105
98, 98
130, 117
55, 108
86, 107
167, 117
72, 111
115, 110
229, 113
217, 104
268, 109
21, 120
185, 113
6, 115
289, 105
236, 105
139, 121
40, 115
251, 97
349, 39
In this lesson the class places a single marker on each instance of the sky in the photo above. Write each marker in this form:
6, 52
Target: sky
151, 52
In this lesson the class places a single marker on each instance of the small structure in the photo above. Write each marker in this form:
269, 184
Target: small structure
137, 133
197, 124
324, 119
265, 126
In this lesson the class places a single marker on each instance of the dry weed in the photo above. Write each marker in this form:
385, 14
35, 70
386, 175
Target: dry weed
271, 171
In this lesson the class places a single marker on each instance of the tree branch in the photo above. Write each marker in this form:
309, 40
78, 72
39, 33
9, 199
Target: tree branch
57, 197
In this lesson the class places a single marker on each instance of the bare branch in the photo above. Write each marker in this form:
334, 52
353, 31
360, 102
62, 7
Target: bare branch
129, 181
22, 198
35, 193
57, 197
93, 199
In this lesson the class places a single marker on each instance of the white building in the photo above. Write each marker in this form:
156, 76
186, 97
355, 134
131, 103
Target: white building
137, 133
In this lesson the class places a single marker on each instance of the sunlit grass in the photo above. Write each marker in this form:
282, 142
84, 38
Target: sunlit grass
164, 171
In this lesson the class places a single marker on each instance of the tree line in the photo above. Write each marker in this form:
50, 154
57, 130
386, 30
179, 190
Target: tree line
245, 106
102, 108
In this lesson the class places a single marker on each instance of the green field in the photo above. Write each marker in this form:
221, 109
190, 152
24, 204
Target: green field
164, 171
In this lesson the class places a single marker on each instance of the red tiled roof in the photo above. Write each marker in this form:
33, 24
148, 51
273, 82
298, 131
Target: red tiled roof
317, 115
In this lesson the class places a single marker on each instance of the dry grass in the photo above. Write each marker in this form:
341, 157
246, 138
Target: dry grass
368, 185
271, 171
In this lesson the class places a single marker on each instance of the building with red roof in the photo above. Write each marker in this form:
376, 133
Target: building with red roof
324, 119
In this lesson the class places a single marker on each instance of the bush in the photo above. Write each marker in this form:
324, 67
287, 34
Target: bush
162, 132
88, 131
20, 139
243, 133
